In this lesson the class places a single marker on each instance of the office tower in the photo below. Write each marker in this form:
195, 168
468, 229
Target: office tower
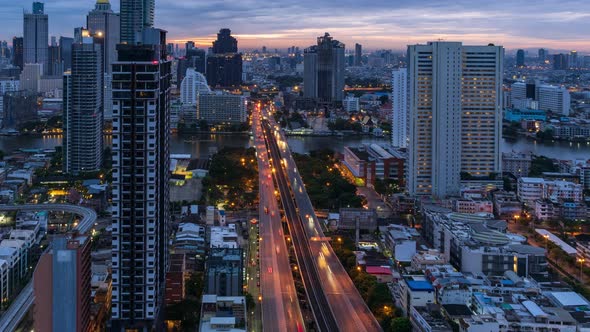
141, 112
30, 77
573, 59
197, 59
82, 106
136, 15
19, 107
55, 66
53, 41
560, 61
61, 284
224, 65
323, 70
17, 52
520, 58
189, 45
105, 24
36, 37
193, 84
455, 95
358, 54
65, 51
542, 55
399, 96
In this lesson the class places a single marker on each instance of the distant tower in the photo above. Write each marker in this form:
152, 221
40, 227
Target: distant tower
83, 116
17, 52
36, 36
358, 54
323, 70
136, 15
542, 55
105, 25
520, 58
224, 65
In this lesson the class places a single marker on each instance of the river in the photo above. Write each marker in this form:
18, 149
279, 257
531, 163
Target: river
200, 147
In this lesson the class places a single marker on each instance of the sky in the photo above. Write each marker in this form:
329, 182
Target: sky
377, 24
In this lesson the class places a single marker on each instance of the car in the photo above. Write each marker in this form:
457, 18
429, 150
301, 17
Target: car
266, 210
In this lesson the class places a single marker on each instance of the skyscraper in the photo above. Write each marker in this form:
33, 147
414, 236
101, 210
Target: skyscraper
105, 24
136, 15
36, 36
62, 286
323, 70
542, 55
55, 65
560, 61
224, 65
399, 96
17, 52
65, 51
141, 125
83, 100
520, 58
455, 95
358, 54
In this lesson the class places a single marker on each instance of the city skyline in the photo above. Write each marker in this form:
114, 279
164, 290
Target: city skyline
549, 24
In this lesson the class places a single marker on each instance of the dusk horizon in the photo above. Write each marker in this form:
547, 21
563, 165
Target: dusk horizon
517, 25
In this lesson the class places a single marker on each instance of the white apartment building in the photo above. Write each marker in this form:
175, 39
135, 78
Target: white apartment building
399, 115
193, 84
351, 104
555, 99
532, 189
455, 103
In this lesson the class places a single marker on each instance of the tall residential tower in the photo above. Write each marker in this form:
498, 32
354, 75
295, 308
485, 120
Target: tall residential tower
141, 127
83, 100
454, 100
136, 15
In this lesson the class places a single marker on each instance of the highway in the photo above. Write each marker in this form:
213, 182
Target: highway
320, 308
349, 309
280, 306
23, 302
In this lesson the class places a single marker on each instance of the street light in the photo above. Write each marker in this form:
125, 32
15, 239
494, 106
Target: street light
581, 260
546, 236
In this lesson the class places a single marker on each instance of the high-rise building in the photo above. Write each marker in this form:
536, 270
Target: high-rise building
19, 107
193, 84
55, 66
36, 36
104, 24
542, 54
550, 98
82, 94
358, 54
573, 59
455, 104
65, 51
323, 70
30, 77
17, 52
141, 126
520, 58
399, 96
189, 45
61, 284
136, 15
197, 58
560, 61
224, 65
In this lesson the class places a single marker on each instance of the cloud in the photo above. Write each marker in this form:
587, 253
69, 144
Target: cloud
378, 24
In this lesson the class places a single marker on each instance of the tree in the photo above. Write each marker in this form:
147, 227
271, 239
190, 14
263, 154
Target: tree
384, 99
401, 324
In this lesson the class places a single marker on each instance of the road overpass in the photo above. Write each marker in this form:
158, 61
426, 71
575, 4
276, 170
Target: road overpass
348, 308
23, 302
280, 305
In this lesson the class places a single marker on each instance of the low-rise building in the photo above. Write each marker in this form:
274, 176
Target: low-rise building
221, 108
401, 242
372, 161
532, 189
223, 313
224, 272
223, 236
349, 217
415, 291
517, 164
